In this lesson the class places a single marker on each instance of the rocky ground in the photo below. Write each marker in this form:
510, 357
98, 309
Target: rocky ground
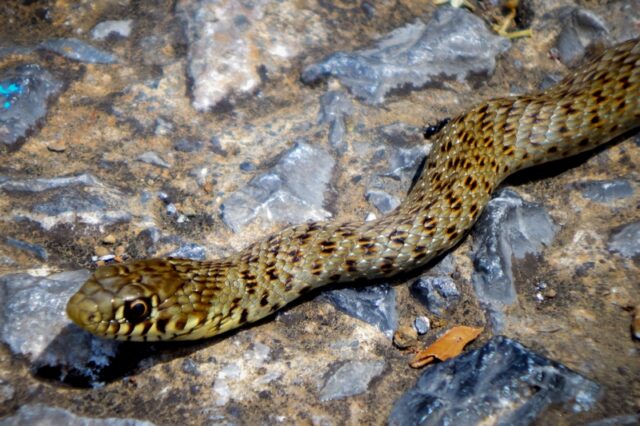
192, 128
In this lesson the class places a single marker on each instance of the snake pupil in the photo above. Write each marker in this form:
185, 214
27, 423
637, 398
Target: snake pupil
136, 310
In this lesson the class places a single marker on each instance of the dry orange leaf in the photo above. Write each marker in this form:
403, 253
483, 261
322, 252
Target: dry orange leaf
450, 344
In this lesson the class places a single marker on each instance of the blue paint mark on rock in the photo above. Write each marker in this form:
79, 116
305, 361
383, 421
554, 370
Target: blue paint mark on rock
25, 91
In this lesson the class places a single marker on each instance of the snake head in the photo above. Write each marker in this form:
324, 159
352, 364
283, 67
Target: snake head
131, 301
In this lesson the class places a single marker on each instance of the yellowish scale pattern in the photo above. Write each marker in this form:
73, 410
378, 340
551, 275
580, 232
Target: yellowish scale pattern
165, 299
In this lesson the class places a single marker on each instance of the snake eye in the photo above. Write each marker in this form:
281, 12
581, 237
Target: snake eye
137, 310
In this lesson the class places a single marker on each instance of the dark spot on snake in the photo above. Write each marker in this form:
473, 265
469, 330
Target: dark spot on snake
180, 323
552, 149
243, 316
621, 105
351, 265
272, 273
595, 119
335, 277
304, 237
264, 300
313, 226
251, 291
420, 256
429, 223
275, 307
483, 109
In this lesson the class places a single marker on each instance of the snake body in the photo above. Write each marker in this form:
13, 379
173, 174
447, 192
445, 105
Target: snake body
165, 299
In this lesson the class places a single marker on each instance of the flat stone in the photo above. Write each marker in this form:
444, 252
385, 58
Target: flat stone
626, 240
35, 325
438, 294
25, 93
606, 191
43, 415
350, 378
78, 50
375, 305
291, 192
501, 383
119, 28
455, 44
508, 228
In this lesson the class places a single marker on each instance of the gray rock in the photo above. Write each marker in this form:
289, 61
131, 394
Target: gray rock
422, 325
25, 92
42, 415
439, 294
104, 29
509, 227
34, 325
335, 106
375, 305
606, 191
45, 184
501, 383
188, 145
626, 240
628, 420
291, 192
154, 159
78, 50
351, 378
580, 28
190, 251
382, 201
455, 43
35, 249
87, 205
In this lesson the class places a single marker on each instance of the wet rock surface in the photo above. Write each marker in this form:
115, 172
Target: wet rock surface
191, 129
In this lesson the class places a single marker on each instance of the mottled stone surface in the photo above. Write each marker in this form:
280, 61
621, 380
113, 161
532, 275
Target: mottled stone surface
501, 380
194, 135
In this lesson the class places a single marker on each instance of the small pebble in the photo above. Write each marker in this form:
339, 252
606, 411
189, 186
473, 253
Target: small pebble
57, 146
422, 324
405, 337
101, 251
109, 239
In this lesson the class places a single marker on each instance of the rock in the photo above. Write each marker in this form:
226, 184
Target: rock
154, 159
335, 106
25, 93
626, 240
383, 201
78, 50
422, 325
375, 305
509, 227
606, 191
35, 249
34, 325
231, 42
188, 145
580, 29
628, 420
291, 192
121, 28
90, 205
501, 383
455, 43
438, 294
45, 184
189, 251
42, 415
350, 378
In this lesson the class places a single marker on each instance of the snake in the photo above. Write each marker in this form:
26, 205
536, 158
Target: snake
183, 299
